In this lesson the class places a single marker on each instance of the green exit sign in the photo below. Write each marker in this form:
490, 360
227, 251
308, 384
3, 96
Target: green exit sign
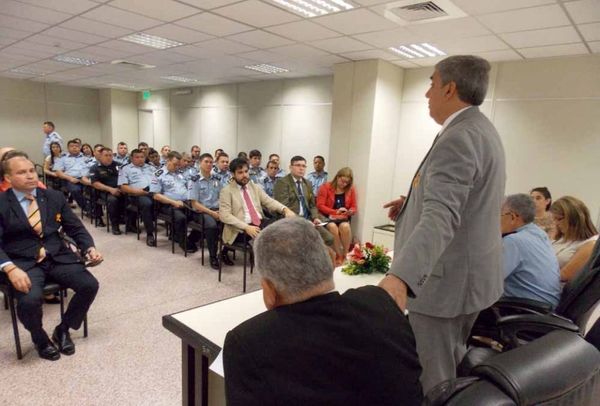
146, 94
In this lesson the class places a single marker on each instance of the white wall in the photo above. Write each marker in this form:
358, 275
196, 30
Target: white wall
547, 113
288, 117
25, 105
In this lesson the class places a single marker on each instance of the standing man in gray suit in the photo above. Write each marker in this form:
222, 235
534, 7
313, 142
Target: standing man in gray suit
448, 248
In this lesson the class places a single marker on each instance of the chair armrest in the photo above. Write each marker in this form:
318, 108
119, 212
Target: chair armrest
520, 305
525, 327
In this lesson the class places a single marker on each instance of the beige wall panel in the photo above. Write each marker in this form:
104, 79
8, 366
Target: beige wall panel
76, 121
162, 127
218, 96
315, 89
554, 144
341, 114
259, 128
71, 94
306, 133
218, 129
159, 99
21, 90
124, 118
550, 78
263, 93
21, 126
185, 129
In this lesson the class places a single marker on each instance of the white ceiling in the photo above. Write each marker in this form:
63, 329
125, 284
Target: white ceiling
222, 36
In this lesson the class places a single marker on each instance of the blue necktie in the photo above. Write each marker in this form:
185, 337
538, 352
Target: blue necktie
302, 200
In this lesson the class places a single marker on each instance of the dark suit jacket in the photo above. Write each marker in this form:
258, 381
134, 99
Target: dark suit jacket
286, 193
20, 244
350, 349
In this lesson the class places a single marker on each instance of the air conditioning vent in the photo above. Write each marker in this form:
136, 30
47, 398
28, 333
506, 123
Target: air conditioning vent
419, 11
133, 65
406, 12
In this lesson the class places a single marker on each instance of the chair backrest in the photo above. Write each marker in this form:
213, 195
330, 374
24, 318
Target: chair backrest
583, 292
560, 368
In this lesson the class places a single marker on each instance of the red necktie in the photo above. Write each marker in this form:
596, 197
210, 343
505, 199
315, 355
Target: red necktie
254, 218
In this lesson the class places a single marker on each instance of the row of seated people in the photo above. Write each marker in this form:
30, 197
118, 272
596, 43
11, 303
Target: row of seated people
178, 181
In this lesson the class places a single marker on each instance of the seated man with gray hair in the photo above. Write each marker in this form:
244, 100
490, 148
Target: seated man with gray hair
314, 346
531, 269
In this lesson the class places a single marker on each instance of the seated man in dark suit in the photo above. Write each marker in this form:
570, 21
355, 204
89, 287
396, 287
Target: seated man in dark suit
314, 346
31, 250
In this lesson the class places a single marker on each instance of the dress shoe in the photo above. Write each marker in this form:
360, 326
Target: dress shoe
116, 230
100, 223
48, 351
150, 241
190, 249
214, 263
226, 260
63, 341
131, 228
51, 299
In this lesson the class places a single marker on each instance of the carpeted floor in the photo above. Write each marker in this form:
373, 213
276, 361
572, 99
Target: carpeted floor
128, 357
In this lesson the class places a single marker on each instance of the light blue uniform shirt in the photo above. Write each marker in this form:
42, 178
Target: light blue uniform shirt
206, 190
224, 176
50, 138
121, 160
257, 175
269, 183
189, 172
72, 165
317, 180
90, 162
531, 269
138, 177
173, 185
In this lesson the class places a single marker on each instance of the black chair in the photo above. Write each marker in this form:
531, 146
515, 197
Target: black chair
51, 287
88, 193
101, 200
167, 219
197, 226
41, 174
245, 246
560, 368
132, 207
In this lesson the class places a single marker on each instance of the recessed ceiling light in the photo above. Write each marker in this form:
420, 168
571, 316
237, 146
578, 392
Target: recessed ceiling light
179, 79
121, 85
423, 50
151, 41
314, 8
74, 60
26, 71
264, 68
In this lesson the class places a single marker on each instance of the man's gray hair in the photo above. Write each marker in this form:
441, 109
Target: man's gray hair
522, 205
291, 254
470, 73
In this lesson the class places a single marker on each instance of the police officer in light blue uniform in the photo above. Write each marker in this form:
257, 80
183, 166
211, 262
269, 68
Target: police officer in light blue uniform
204, 196
272, 177
171, 188
71, 168
319, 176
221, 169
121, 157
135, 179
51, 136
257, 174
187, 167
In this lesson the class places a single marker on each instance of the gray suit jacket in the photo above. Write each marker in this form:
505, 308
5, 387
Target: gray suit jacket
448, 246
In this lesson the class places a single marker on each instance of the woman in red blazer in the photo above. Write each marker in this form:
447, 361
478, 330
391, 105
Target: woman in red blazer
337, 201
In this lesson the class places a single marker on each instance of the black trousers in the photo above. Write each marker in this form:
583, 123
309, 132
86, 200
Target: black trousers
73, 276
180, 217
76, 192
211, 230
264, 222
115, 205
146, 207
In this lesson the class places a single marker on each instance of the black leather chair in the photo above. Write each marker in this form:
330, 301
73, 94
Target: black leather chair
560, 368
245, 246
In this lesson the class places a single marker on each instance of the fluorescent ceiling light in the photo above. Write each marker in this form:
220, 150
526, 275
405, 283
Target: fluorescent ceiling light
26, 71
151, 41
423, 50
264, 68
74, 60
121, 85
179, 79
314, 8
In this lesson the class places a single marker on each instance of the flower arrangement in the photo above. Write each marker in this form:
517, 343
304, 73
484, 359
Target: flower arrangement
368, 258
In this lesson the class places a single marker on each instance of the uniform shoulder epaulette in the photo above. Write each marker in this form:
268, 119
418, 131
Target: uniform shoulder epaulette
194, 178
158, 172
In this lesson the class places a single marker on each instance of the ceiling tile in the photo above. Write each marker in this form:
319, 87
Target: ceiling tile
256, 13
477, 7
405, 64
471, 45
591, 32
49, 66
64, 33
525, 19
554, 50
177, 33
260, 39
303, 31
125, 46
298, 51
56, 42
261, 56
98, 53
503, 55
160, 58
34, 50
208, 4
584, 11
29, 12
213, 24
19, 24
66, 6
121, 18
448, 29
536, 38
222, 46
371, 54
390, 38
166, 10
595, 46
427, 61
96, 27
12, 34
341, 45
355, 21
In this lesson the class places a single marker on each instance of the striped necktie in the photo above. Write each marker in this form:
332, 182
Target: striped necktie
35, 221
